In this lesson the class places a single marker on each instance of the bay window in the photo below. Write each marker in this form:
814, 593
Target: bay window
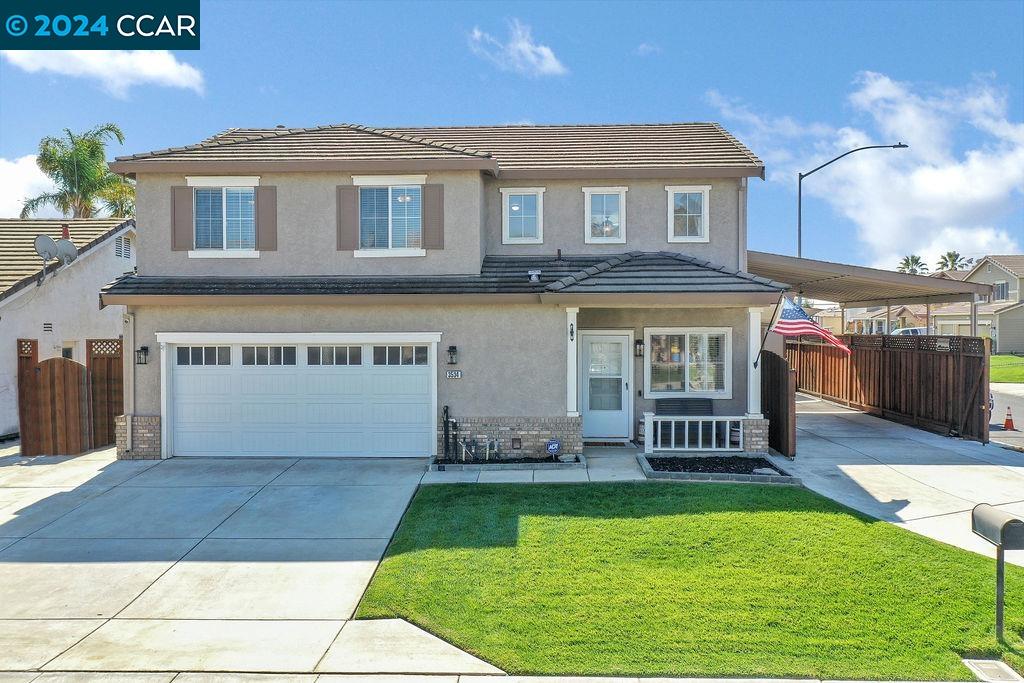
687, 362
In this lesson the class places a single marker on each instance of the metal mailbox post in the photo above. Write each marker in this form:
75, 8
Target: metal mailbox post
1005, 532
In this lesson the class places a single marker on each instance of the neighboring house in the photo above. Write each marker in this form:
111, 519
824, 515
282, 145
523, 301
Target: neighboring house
329, 291
872, 320
1001, 317
951, 274
830, 318
63, 312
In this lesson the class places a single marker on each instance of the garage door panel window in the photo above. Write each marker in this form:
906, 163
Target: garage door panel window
204, 355
400, 355
334, 355
268, 355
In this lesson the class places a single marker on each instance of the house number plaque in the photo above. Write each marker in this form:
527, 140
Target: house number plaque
453, 374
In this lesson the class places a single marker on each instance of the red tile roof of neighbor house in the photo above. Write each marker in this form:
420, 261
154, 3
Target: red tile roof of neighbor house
627, 148
951, 274
19, 263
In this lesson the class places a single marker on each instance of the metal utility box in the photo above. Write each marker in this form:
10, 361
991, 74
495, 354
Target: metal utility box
998, 527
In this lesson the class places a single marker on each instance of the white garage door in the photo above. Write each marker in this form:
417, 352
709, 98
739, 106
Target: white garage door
302, 399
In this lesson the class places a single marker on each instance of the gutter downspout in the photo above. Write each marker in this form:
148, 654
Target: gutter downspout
128, 358
741, 217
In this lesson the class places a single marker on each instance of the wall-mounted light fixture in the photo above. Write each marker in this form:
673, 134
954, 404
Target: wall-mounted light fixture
638, 348
453, 355
142, 355
572, 332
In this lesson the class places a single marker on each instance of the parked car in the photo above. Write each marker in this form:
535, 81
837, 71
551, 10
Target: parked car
914, 331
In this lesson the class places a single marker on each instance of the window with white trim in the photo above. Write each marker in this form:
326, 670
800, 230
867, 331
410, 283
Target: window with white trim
225, 218
391, 217
688, 212
688, 362
268, 355
522, 215
400, 355
605, 215
1000, 291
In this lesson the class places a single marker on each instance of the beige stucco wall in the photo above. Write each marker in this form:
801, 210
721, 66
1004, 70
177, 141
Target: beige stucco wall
646, 218
636, 319
307, 231
1010, 331
512, 356
69, 300
990, 273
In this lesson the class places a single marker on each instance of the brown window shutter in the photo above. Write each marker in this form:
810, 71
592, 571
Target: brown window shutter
433, 216
348, 217
181, 218
266, 218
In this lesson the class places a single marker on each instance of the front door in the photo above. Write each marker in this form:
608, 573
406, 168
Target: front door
605, 374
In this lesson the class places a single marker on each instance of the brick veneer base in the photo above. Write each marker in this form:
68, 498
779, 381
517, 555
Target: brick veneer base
534, 432
145, 437
755, 436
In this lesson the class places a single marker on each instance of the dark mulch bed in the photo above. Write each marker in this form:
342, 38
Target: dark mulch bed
500, 461
714, 464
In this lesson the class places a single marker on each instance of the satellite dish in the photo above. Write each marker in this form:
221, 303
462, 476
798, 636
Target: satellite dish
46, 247
66, 251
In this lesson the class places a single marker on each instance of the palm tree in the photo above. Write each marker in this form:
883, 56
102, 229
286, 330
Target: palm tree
952, 260
913, 265
77, 165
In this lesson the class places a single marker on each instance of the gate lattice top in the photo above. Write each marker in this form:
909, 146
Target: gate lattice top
105, 347
26, 347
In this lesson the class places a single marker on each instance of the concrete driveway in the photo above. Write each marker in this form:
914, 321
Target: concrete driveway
921, 481
1007, 395
203, 565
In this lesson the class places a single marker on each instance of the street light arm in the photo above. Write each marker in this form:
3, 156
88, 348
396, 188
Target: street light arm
898, 145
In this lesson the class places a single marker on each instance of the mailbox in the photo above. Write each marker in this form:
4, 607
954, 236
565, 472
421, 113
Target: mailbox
1005, 532
998, 527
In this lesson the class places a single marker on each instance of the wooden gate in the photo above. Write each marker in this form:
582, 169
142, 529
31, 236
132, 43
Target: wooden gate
936, 383
64, 407
778, 402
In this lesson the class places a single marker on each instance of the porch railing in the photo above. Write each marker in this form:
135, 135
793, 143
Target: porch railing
692, 433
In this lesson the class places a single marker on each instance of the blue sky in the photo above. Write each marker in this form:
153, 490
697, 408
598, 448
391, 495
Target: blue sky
798, 82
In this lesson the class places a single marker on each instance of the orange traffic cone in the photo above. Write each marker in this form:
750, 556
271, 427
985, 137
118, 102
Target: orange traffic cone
1008, 422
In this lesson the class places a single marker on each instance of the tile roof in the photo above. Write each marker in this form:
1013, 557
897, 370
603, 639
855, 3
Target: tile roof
19, 263
1011, 262
636, 272
667, 146
951, 274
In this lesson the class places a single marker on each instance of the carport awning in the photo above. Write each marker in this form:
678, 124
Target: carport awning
857, 285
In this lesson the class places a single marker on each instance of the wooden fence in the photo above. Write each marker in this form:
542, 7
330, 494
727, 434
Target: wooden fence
778, 402
64, 407
936, 383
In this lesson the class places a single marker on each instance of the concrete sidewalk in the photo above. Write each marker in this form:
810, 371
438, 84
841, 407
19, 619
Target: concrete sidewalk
923, 482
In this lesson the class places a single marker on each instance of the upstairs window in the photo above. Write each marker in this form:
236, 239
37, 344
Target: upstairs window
225, 218
391, 217
605, 213
688, 213
522, 215
1000, 291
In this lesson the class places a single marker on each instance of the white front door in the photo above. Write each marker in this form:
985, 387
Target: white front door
604, 391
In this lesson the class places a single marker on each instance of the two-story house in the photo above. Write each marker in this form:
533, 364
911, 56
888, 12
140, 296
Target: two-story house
1001, 315
329, 291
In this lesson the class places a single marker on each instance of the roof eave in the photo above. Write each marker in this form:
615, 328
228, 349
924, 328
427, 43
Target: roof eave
132, 167
647, 172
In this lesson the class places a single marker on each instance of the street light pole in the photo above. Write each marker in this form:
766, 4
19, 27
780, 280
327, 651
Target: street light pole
800, 189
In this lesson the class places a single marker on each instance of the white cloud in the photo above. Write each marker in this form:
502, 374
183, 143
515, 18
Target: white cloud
959, 181
648, 49
117, 71
520, 54
21, 179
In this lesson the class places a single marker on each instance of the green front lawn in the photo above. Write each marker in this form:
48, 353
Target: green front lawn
687, 580
1006, 368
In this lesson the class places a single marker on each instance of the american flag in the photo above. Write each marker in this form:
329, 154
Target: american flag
794, 321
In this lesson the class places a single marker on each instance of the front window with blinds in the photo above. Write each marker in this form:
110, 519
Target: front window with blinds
391, 217
225, 218
687, 362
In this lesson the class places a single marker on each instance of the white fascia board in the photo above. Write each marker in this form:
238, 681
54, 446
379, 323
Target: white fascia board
222, 180
213, 338
388, 180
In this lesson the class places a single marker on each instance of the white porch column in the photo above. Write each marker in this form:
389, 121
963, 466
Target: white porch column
572, 364
753, 373
974, 316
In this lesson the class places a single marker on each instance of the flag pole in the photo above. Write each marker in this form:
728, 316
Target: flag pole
768, 329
